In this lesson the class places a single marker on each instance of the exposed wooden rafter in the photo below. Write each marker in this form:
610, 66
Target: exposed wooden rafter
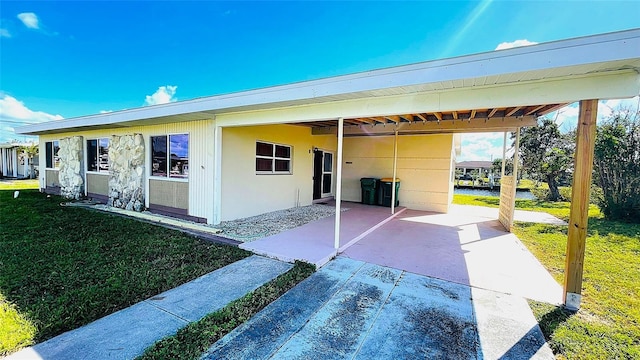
443, 116
513, 111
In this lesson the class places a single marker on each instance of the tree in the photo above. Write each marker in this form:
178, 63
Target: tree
30, 152
546, 154
617, 165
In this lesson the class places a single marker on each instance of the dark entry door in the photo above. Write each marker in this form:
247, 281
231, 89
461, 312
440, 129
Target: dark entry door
317, 174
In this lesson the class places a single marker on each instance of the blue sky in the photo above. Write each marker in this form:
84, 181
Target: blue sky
67, 59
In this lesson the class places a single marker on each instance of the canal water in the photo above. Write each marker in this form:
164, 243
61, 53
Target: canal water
482, 192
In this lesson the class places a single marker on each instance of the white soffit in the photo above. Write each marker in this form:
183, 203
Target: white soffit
577, 57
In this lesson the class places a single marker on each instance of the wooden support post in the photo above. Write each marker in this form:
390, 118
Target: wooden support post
585, 142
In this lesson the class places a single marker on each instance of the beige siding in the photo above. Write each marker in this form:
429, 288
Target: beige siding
245, 193
201, 149
424, 168
169, 193
98, 184
52, 178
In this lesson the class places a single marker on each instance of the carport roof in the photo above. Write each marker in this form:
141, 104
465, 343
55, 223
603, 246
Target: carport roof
617, 52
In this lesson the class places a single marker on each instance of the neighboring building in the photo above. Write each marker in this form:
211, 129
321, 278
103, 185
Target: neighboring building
237, 155
14, 163
476, 173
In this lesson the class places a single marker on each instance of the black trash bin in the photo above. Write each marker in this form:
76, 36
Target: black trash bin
384, 191
369, 193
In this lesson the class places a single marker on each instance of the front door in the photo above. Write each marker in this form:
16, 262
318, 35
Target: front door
322, 173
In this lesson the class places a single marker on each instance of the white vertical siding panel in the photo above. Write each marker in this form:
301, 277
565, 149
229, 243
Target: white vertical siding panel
201, 169
201, 148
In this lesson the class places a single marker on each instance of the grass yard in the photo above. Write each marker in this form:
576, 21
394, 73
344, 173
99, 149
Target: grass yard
559, 209
6, 184
194, 339
62, 267
608, 324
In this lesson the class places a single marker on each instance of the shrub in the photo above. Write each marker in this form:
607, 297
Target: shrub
617, 166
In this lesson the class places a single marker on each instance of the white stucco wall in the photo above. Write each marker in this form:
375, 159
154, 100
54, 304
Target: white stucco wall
245, 193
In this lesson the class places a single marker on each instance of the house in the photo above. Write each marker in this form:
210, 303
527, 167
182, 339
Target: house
14, 163
476, 173
230, 156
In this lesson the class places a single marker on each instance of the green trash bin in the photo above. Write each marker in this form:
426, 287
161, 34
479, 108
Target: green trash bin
384, 191
369, 187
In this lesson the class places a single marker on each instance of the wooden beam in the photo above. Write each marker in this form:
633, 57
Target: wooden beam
578, 219
552, 108
492, 112
510, 123
473, 114
368, 121
422, 117
438, 116
394, 118
455, 115
409, 118
513, 111
533, 110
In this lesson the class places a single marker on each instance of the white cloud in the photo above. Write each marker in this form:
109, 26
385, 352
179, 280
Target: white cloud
13, 114
29, 20
517, 43
567, 117
5, 33
164, 95
481, 146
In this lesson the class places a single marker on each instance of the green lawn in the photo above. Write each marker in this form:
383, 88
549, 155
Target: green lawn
559, 209
62, 267
608, 324
6, 184
194, 339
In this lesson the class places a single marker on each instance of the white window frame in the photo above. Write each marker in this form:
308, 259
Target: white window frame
273, 159
167, 178
97, 155
53, 160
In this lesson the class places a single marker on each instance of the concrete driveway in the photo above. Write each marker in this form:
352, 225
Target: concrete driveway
357, 310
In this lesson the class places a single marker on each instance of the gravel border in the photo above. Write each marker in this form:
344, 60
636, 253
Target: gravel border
260, 226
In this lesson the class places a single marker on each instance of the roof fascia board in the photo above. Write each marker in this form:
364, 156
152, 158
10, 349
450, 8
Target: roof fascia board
597, 86
564, 53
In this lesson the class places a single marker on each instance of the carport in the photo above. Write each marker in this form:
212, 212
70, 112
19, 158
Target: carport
492, 92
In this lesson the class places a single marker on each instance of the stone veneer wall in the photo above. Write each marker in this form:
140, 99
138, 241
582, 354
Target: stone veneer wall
126, 172
70, 174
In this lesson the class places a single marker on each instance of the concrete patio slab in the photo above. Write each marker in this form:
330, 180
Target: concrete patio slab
126, 333
471, 250
369, 311
313, 242
492, 213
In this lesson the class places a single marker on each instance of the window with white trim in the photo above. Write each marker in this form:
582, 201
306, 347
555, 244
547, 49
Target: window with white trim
170, 156
51, 154
98, 155
273, 158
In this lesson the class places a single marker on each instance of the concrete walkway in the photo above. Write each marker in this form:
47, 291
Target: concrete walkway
492, 213
356, 310
128, 332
